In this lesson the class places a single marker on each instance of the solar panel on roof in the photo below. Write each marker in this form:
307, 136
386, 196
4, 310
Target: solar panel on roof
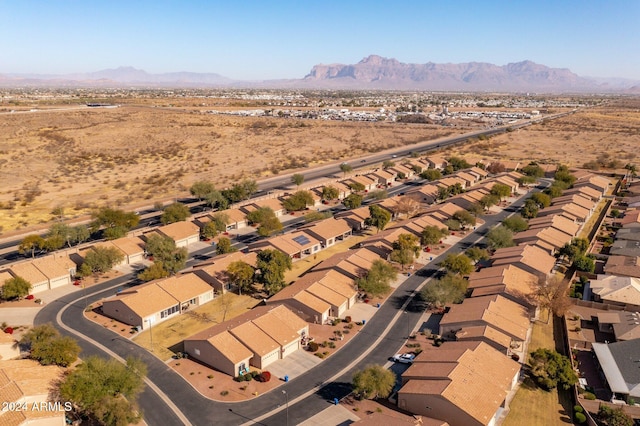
301, 239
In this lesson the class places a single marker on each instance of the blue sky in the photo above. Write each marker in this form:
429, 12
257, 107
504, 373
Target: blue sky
255, 40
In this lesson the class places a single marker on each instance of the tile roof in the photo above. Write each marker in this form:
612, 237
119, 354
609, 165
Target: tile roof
531, 256
558, 222
479, 331
145, 300
328, 228
231, 347
29, 272
287, 243
184, 287
51, 267
254, 338
617, 289
509, 278
129, 245
30, 377
180, 230
623, 265
278, 330
584, 191
234, 216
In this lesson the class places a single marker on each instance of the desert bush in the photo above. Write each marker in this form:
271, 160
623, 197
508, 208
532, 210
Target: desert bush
265, 376
224, 393
580, 418
313, 347
590, 396
578, 409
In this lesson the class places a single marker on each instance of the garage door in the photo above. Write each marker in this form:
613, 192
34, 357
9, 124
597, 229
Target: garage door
36, 288
59, 282
290, 348
269, 358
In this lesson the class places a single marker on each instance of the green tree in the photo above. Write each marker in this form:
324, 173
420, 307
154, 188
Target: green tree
154, 272
260, 215
270, 226
533, 170
541, 199
374, 381
345, 168
163, 249
614, 416
48, 347
272, 264
78, 234
431, 174
584, 263
500, 237
476, 253
475, 209
298, 201
209, 230
316, 216
240, 191
530, 209
496, 167
526, 180
101, 259
330, 193
432, 235
443, 193
457, 264
453, 225
378, 279
352, 201
458, 163
201, 189
465, 218
241, 275
114, 223
516, 223
501, 190
554, 191
551, 369
216, 200
378, 217
356, 186
176, 212
446, 290
224, 246
386, 164
405, 249
489, 200
577, 247
563, 175
30, 244
15, 288
456, 189
106, 389
297, 179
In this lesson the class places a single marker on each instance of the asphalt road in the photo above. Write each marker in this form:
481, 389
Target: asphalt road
201, 411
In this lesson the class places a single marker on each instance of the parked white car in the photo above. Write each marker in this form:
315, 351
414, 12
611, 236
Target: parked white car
403, 358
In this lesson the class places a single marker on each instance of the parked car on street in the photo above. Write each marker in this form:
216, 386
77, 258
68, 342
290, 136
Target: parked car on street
403, 358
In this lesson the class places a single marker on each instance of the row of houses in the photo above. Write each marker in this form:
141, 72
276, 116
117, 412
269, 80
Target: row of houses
470, 378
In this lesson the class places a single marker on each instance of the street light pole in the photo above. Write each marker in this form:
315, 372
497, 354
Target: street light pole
150, 332
286, 396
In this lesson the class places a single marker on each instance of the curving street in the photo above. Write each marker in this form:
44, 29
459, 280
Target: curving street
380, 338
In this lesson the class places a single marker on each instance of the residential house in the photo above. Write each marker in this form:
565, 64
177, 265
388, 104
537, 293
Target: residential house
183, 233
297, 245
530, 258
484, 333
157, 301
623, 265
236, 219
577, 199
549, 238
469, 179
356, 218
631, 219
461, 383
507, 280
511, 165
24, 382
28, 270
426, 194
271, 203
402, 170
384, 177
436, 162
450, 180
625, 248
596, 182
623, 324
497, 311
479, 173
620, 370
569, 210
131, 247
614, 290
353, 263
329, 231
214, 271
584, 191
559, 222
629, 234
368, 183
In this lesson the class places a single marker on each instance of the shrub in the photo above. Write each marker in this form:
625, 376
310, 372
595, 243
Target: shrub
211, 387
319, 355
580, 418
349, 326
313, 347
243, 387
224, 393
578, 409
247, 377
346, 332
210, 376
238, 378
588, 395
265, 376
332, 345
8, 330
254, 374
347, 319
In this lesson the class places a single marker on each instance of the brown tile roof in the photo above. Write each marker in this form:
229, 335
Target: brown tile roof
325, 293
480, 331
534, 257
234, 216
145, 300
286, 316
230, 346
273, 203
617, 289
558, 222
278, 330
29, 272
552, 236
129, 245
184, 287
180, 230
254, 338
568, 209
328, 228
31, 378
286, 243
575, 199
509, 278
497, 311
623, 265
584, 191
51, 267
478, 385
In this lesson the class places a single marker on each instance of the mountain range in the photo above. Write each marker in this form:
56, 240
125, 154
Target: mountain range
372, 73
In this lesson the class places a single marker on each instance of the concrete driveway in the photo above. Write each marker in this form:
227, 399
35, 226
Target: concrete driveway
294, 365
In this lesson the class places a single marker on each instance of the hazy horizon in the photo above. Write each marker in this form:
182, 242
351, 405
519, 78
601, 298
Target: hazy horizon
284, 40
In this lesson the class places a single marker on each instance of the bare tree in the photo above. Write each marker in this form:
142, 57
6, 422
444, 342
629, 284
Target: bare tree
551, 294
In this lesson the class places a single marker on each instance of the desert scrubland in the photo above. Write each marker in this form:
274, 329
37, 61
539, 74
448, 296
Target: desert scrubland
73, 161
